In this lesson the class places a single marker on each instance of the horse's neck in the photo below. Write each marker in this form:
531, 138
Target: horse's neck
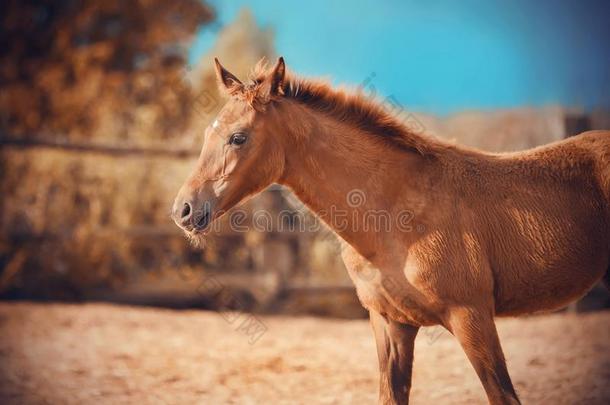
345, 176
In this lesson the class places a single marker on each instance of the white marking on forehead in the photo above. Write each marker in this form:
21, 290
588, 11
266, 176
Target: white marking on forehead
215, 124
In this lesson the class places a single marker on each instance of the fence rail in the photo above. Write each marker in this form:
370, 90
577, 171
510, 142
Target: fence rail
112, 150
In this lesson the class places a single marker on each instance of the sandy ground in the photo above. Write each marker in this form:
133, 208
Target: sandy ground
98, 353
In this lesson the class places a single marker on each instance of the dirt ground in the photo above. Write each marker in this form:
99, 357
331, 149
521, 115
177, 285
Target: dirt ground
109, 354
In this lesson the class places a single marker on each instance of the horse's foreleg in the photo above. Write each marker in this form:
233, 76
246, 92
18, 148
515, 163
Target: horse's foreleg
395, 342
476, 331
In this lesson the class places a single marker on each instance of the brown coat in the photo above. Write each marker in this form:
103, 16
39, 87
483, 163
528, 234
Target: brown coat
471, 235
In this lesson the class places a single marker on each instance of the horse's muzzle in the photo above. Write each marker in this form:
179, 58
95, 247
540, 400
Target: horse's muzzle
192, 217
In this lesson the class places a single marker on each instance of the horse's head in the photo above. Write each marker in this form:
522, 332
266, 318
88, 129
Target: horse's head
241, 153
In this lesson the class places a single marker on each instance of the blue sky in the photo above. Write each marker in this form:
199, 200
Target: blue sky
443, 56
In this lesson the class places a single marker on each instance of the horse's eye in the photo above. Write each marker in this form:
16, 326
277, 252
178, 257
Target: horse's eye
238, 138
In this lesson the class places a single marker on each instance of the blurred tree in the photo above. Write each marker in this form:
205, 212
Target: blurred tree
239, 46
88, 69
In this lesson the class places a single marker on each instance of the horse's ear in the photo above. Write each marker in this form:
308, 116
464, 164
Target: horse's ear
275, 80
227, 80
277, 77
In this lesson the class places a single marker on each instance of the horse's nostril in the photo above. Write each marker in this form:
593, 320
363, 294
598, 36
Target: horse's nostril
186, 210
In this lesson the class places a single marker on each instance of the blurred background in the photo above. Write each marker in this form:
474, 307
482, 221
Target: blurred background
103, 105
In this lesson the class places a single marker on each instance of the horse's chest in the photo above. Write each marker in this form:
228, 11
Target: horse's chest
387, 292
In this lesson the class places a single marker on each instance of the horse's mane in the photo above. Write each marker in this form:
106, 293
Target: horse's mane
352, 107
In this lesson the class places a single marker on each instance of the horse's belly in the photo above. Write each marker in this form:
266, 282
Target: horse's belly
548, 289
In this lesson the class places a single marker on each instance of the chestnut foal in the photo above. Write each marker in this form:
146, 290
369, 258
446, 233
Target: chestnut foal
485, 234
